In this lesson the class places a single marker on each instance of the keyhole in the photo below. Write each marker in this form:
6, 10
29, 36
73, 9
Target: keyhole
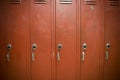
34, 46
108, 45
59, 46
84, 46
9, 46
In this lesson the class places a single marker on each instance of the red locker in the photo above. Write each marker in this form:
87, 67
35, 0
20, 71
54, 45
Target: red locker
59, 39
17, 39
2, 44
40, 22
66, 45
92, 38
112, 40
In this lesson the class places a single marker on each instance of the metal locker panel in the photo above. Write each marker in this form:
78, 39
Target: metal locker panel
92, 39
112, 40
40, 21
2, 43
66, 45
17, 39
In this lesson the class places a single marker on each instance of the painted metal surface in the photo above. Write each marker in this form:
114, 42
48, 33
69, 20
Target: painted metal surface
40, 22
2, 43
112, 31
59, 39
92, 28
66, 35
16, 34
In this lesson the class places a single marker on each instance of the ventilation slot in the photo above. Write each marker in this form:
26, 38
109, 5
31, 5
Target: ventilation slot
114, 2
15, 1
90, 2
66, 1
40, 2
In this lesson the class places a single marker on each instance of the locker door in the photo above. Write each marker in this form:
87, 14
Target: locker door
40, 16
112, 40
2, 44
92, 28
66, 31
17, 39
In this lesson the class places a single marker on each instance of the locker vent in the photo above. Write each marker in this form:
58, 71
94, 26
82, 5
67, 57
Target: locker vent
15, 1
114, 2
65, 1
90, 2
40, 2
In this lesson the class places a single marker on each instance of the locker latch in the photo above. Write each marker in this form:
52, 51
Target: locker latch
34, 47
107, 51
58, 54
84, 49
9, 46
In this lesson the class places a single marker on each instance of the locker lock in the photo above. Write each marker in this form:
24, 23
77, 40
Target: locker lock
9, 46
59, 46
34, 46
58, 54
108, 45
84, 46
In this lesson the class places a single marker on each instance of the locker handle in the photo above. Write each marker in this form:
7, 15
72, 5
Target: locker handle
34, 47
33, 56
83, 56
58, 54
9, 47
106, 55
8, 56
84, 46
